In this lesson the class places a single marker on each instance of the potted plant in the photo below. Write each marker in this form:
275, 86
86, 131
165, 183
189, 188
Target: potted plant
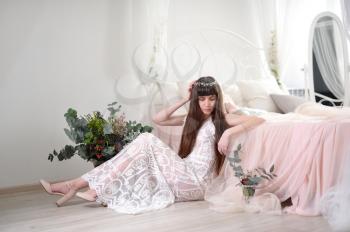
249, 180
98, 139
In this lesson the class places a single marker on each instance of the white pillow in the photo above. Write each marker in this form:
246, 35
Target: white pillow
257, 93
287, 103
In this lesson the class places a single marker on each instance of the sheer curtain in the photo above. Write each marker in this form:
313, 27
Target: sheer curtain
150, 58
146, 26
293, 21
328, 54
264, 24
345, 9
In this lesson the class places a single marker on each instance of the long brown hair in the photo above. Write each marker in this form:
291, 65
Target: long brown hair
204, 86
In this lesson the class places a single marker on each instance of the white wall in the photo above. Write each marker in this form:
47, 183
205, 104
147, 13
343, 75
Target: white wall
67, 53
54, 55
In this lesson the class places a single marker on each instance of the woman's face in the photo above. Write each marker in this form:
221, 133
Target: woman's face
207, 104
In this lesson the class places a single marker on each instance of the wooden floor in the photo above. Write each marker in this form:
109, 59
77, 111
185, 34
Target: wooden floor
36, 211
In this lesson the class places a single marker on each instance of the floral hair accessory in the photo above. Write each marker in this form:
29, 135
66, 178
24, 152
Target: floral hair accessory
203, 84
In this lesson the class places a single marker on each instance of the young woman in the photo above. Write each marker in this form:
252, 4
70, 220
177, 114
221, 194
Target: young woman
147, 174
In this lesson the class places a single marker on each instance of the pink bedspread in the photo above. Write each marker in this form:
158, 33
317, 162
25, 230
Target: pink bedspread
308, 155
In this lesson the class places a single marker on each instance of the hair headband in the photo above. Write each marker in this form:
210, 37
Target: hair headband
203, 84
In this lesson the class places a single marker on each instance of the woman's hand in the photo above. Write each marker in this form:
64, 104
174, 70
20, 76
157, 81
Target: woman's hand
190, 87
223, 143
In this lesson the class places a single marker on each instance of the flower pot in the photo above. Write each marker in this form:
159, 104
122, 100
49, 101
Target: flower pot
248, 192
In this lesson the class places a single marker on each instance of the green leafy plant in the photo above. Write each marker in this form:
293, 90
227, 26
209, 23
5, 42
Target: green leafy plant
97, 139
250, 179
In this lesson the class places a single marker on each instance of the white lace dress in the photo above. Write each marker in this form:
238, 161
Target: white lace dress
148, 175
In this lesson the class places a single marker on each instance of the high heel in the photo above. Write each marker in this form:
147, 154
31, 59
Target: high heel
47, 187
66, 197
85, 196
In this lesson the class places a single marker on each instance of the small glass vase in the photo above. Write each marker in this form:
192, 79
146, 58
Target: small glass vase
248, 193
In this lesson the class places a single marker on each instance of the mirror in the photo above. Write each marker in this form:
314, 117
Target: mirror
328, 62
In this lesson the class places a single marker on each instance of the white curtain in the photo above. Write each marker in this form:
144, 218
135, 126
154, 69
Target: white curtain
150, 58
146, 22
345, 9
329, 55
294, 19
264, 23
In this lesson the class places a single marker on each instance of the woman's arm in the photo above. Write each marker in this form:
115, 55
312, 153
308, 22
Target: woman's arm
238, 124
241, 123
164, 118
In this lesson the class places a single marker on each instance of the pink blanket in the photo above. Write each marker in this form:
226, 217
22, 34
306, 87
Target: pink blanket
308, 155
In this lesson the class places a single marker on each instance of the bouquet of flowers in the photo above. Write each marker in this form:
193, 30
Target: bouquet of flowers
98, 139
250, 179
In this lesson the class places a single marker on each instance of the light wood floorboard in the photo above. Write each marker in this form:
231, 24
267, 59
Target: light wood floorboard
36, 211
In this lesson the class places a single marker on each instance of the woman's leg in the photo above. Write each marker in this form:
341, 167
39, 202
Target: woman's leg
66, 188
89, 195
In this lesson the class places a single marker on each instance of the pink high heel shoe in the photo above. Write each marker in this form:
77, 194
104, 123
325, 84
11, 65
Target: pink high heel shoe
47, 187
71, 192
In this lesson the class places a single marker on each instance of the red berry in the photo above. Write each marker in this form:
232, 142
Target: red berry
99, 156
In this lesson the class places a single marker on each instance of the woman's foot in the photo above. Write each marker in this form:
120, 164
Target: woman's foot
62, 187
89, 195
70, 194
66, 188
48, 188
